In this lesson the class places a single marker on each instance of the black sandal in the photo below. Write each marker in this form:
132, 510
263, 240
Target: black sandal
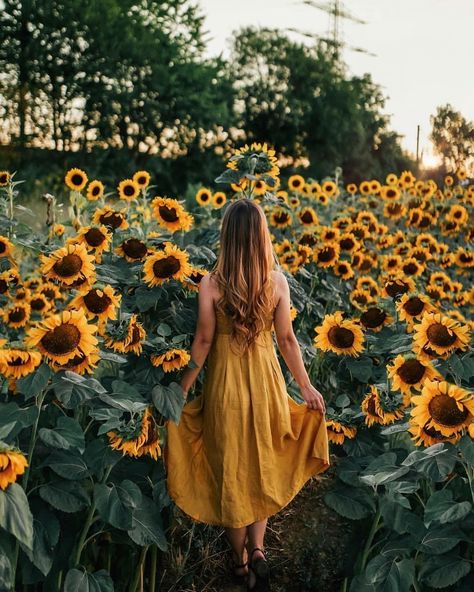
261, 570
238, 578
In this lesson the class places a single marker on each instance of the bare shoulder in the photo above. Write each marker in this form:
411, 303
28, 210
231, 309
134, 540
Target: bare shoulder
280, 283
209, 285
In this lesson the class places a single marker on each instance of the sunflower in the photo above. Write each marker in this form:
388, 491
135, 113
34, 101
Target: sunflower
12, 464
100, 303
6, 247
330, 188
327, 255
290, 261
110, 217
381, 408
95, 238
17, 315
308, 217
283, 246
389, 193
458, 214
218, 199
408, 372
128, 190
204, 196
364, 188
170, 214
351, 188
396, 285
95, 190
194, 278
375, 318
428, 436
169, 263
348, 242
296, 183
4, 178
127, 336
63, 336
391, 179
68, 264
464, 258
57, 230
412, 267
338, 432
407, 179
360, 299
79, 364
173, 359
50, 290
445, 407
341, 336
280, 218
343, 269
145, 442
448, 180
40, 304
132, 249
256, 159
259, 187
141, 179
8, 279
17, 363
294, 201
76, 179
22, 293
411, 307
440, 333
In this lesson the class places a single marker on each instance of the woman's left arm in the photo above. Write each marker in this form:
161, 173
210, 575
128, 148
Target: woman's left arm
204, 335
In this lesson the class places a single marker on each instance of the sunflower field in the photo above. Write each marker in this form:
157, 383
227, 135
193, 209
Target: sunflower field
98, 314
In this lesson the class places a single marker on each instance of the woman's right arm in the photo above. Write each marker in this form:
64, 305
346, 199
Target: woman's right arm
290, 348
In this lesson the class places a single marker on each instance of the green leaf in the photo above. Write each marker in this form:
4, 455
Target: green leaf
69, 465
33, 384
360, 368
99, 456
441, 508
46, 534
440, 539
169, 400
436, 461
115, 503
466, 448
228, 176
21, 418
66, 496
164, 330
442, 571
350, 502
78, 580
147, 528
67, 435
15, 514
390, 574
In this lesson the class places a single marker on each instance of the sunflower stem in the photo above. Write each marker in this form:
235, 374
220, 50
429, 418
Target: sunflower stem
138, 572
370, 538
153, 564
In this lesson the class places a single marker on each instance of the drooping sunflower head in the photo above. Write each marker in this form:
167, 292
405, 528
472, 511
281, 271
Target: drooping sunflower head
16, 363
76, 179
375, 318
172, 359
12, 464
382, 407
257, 160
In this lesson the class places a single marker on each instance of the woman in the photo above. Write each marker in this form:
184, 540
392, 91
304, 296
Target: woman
244, 448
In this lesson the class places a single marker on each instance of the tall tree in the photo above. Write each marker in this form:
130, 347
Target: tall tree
453, 137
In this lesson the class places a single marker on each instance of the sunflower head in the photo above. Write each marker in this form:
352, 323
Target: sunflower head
76, 179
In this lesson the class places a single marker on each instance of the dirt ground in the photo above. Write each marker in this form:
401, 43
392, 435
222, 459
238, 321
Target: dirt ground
309, 547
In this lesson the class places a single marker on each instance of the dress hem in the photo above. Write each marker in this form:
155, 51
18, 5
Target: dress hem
325, 465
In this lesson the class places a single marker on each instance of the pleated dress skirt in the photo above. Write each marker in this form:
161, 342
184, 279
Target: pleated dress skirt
244, 447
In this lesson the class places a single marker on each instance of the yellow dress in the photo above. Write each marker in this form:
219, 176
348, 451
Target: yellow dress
243, 448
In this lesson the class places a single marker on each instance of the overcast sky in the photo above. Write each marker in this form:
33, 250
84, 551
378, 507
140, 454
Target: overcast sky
424, 49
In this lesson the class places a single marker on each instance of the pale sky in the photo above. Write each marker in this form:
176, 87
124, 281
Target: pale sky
424, 50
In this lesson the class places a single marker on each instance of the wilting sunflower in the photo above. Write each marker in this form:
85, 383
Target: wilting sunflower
296, 183
6, 247
16, 363
173, 359
170, 214
110, 217
445, 407
381, 407
411, 307
338, 431
141, 179
204, 196
100, 303
76, 179
146, 441
441, 334
63, 336
17, 314
327, 255
341, 336
12, 464
80, 364
280, 218
128, 190
68, 264
95, 190
132, 249
308, 216
125, 336
169, 263
218, 199
428, 436
408, 372
194, 278
256, 159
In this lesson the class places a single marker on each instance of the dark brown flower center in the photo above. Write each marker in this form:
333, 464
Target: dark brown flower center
411, 371
17, 315
134, 248
371, 409
341, 337
414, 306
373, 317
168, 214
347, 244
128, 190
96, 303
445, 411
307, 217
37, 303
62, 339
326, 254
77, 179
395, 287
3, 246
68, 265
95, 190
166, 267
440, 335
135, 336
410, 268
281, 217
113, 219
3, 286
308, 239
16, 362
94, 237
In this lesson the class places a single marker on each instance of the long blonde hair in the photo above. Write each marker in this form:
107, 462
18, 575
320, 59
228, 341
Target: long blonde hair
243, 270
